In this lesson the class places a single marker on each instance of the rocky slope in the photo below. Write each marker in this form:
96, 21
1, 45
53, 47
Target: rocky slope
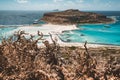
74, 17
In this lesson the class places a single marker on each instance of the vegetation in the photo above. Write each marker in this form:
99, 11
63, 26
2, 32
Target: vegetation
22, 59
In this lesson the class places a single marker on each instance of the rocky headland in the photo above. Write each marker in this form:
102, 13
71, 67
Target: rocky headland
72, 16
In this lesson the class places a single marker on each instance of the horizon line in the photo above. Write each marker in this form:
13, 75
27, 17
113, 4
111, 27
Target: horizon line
59, 10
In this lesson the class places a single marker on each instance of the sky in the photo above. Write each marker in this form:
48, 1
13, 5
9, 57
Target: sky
103, 5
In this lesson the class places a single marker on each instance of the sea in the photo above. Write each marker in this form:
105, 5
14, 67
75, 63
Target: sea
108, 34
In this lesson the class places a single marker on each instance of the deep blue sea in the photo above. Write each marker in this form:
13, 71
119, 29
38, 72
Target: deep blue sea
92, 33
20, 17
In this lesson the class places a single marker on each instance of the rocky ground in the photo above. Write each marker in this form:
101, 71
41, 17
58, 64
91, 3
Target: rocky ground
22, 59
74, 17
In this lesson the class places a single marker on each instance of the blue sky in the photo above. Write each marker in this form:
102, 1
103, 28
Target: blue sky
60, 4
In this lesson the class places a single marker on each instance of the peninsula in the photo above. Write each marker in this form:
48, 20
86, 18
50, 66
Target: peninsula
74, 16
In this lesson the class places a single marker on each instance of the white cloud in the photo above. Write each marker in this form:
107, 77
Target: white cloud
22, 1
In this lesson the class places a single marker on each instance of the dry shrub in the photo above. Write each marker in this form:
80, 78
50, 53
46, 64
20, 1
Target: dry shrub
22, 59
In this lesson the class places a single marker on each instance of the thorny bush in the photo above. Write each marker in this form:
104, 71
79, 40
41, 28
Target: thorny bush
22, 59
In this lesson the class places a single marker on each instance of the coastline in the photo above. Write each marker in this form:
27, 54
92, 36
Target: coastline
112, 22
61, 28
45, 29
76, 44
55, 30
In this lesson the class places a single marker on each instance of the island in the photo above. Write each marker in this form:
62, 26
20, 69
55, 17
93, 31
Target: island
74, 16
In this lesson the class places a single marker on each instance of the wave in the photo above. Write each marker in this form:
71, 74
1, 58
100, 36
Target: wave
115, 18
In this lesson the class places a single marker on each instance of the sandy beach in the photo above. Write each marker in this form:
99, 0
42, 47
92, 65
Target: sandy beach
45, 29
55, 30
58, 29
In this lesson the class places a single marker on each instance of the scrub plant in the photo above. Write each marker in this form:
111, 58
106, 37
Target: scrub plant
22, 59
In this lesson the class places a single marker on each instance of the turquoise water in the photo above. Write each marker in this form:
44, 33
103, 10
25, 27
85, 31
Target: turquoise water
94, 33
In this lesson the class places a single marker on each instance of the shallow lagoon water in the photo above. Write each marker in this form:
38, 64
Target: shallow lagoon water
95, 33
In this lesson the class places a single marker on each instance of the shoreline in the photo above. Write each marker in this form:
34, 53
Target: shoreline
55, 30
81, 45
45, 29
76, 44
89, 45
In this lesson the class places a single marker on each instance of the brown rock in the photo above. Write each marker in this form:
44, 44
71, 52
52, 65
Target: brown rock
74, 17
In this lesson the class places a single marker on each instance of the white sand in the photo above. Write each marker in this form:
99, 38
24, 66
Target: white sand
45, 29
54, 30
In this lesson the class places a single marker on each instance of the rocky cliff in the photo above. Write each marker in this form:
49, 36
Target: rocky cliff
74, 17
